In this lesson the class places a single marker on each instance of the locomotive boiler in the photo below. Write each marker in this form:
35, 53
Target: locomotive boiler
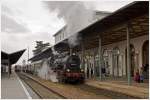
68, 69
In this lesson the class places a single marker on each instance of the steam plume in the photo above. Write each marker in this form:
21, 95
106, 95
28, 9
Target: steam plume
76, 17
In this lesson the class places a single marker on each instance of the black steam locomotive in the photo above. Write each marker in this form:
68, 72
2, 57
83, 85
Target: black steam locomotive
68, 69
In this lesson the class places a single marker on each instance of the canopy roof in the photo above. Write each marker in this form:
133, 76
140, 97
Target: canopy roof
45, 54
11, 58
112, 28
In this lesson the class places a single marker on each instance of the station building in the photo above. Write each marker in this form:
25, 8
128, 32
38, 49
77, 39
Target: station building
116, 45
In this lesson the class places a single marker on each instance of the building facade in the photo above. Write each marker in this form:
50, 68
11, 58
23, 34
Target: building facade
115, 58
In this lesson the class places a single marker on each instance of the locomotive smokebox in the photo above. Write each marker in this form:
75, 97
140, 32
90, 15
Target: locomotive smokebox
68, 68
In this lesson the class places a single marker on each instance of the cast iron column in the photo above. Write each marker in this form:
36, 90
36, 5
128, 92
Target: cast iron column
82, 56
100, 58
128, 56
9, 67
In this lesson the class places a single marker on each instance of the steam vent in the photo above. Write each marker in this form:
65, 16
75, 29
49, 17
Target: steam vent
74, 49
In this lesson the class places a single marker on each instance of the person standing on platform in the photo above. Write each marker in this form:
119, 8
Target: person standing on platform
141, 74
137, 76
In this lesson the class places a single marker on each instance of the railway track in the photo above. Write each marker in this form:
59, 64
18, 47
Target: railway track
42, 91
78, 91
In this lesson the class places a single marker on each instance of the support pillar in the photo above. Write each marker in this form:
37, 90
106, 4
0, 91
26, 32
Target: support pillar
70, 51
112, 55
33, 69
9, 68
122, 64
82, 55
94, 70
100, 58
128, 56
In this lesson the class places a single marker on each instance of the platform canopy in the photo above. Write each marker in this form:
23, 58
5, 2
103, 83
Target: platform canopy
11, 58
45, 54
112, 28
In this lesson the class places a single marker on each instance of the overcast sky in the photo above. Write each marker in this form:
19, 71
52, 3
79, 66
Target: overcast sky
25, 21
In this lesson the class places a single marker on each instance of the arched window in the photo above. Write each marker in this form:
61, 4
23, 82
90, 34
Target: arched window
145, 56
115, 59
105, 53
106, 61
145, 52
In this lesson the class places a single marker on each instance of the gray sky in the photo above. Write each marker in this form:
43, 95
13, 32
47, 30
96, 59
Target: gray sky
25, 21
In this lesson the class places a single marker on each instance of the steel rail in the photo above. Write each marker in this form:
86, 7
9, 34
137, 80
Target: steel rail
63, 97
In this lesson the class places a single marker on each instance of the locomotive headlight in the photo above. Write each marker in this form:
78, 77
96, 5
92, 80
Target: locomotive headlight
68, 70
82, 70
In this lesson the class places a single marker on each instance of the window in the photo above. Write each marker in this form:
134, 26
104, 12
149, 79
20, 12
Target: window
63, 35
57, 38
116, 62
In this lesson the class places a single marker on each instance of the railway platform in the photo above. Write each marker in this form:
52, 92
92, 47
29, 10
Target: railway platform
65, 90
140, 90
13, 88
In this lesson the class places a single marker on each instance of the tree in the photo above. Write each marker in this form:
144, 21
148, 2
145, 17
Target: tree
40, 46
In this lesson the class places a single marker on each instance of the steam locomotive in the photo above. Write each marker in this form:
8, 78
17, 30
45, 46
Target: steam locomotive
68, 69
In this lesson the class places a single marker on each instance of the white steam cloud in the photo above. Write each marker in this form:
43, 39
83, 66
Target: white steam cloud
76, 16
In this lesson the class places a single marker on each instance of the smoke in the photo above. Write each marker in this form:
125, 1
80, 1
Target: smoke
75, 14
43, 71
53, 75
46, 72
74, 40
54, 52
65, 58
